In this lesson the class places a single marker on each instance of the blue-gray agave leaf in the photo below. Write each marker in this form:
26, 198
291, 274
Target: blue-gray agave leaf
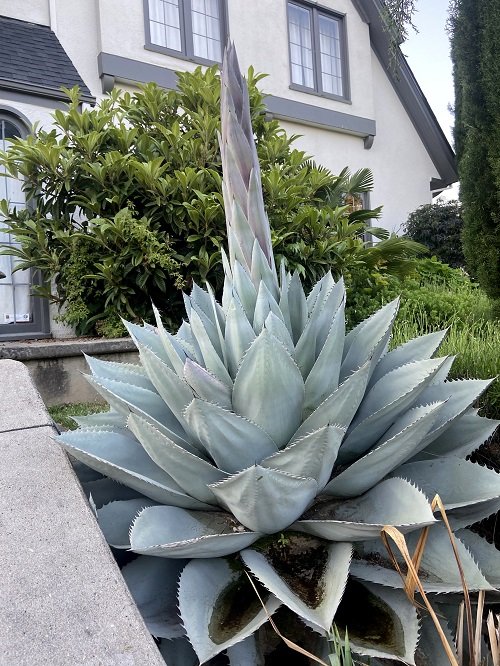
232, 441
417, 349
190, 472
269, 390
312, 456
167, 531
245, 652
209, 592
178, 652
124, 372
330, 563
391, 502
396, 448
206, 386
157, 603
115, 520
266, 500
485, 554
437, 574
124, 460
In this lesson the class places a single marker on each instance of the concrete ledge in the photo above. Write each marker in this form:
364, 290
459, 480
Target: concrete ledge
57, 367
63, 601
30, 350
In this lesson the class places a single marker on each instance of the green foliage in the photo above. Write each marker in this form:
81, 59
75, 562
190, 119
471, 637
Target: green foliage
475, 27
439, 227
128, 204
434, 292
63, 414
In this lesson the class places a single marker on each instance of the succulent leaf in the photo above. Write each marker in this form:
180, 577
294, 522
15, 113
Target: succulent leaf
265, 500
417, 349
115, 520
340, 407
312, 456
268, 389
438, 575
380, 621
124, 460
316, 596
173, 389
190, 472
391, 502
462, 437
395, 449
232, 441
210, 594
390, 396
157, 603
168, 531
206, 386
178, 652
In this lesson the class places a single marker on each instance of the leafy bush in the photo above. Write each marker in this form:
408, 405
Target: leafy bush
128, 202
439, 227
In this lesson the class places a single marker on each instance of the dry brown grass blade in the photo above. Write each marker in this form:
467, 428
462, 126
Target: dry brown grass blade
289, 643
399, 540
437, 503
493, 635
460, 634
479, 623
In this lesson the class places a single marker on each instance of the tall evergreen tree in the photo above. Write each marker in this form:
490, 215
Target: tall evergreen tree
475, 40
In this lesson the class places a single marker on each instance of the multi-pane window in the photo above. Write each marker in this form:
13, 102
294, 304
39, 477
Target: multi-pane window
317, 50
192, 28
15, 287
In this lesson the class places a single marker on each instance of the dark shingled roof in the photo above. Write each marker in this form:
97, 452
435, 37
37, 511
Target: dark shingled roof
32, 60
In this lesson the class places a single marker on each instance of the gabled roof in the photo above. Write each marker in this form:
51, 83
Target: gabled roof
410, 95
33, 61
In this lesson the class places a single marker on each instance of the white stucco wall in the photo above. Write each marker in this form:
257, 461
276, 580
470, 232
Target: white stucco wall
401, 165
76, 26
34, 11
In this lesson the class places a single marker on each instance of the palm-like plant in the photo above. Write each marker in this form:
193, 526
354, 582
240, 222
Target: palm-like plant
262, 439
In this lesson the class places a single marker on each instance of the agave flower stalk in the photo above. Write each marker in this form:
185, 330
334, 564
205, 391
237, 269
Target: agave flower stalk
262, 438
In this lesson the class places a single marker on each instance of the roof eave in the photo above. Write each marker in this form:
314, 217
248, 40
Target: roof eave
42, 91
409, 93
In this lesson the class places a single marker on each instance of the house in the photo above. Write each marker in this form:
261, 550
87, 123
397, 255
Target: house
329, 80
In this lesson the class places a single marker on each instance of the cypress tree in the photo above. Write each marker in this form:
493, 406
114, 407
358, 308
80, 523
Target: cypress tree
475, 40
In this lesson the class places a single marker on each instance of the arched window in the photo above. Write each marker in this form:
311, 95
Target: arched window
20, 313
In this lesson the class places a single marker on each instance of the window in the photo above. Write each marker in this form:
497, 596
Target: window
21, 314
318, 59
193, 29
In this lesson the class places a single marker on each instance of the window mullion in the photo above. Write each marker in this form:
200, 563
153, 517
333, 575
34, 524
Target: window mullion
187, 18
316, 50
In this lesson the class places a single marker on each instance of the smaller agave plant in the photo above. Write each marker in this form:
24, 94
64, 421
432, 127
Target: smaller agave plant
263, 441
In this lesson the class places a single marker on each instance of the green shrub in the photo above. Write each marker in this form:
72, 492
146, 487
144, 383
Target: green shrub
439, 227
128, 203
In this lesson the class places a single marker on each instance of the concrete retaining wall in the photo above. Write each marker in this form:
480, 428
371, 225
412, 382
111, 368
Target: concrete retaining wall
63, 601
57, 366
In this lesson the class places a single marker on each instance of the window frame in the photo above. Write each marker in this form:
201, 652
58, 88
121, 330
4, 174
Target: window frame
315, 11
39, 327
186, 29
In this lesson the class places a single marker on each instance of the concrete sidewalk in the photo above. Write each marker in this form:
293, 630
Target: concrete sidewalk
63, 601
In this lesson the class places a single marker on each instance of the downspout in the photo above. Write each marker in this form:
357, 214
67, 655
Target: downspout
53, 15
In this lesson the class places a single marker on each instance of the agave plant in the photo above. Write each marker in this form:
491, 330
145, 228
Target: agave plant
262, 440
